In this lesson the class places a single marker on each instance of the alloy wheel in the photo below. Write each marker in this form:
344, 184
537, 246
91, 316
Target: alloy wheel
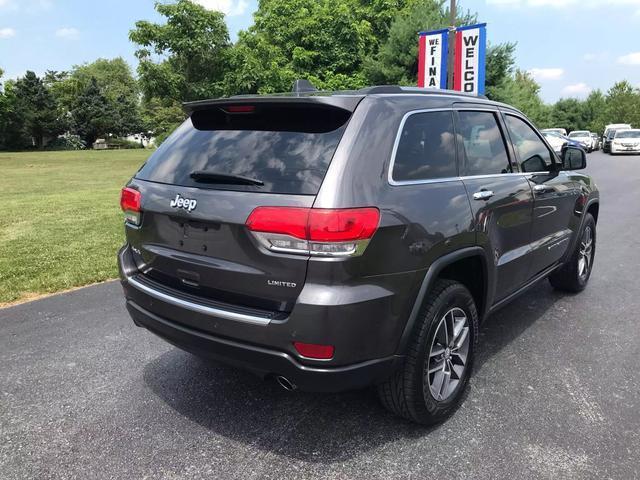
586, 253
448, 356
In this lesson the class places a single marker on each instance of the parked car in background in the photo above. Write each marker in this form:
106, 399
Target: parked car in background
554, 139
626, 141
615, 126
583, 137
558, 141
595, 145
560, 131
607, 139
332, 241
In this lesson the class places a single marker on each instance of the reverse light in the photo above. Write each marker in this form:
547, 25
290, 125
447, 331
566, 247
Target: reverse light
313, 350
314, 231
130, 201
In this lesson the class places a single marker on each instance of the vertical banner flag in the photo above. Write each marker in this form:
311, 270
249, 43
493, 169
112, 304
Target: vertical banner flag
469, 70
432, 59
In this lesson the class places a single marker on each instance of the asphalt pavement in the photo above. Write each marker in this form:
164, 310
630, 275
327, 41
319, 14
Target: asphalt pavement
85, 394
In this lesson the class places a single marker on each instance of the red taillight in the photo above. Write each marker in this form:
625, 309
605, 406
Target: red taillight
342, 225
285, 220
314, 231
313, 350
130, 200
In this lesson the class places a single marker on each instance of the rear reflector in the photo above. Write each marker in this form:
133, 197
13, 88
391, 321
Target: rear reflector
130, 201
312, 350
330, 232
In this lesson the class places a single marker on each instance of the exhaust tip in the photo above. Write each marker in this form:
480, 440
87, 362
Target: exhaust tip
285, 383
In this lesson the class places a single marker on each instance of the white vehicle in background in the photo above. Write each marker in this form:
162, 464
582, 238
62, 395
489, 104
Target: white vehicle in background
559, 131
595, 144
616, 126
584, 138
626, 141
556, 140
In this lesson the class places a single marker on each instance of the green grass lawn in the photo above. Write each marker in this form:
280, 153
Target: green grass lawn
60, 218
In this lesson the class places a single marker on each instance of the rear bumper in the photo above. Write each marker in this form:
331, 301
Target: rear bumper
262, 361
361, 323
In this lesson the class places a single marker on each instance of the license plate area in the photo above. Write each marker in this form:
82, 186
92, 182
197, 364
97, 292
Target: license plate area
197, 237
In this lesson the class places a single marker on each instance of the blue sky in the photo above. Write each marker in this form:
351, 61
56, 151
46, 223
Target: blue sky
570, 46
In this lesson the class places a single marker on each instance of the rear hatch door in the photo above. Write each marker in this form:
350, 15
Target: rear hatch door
203, 182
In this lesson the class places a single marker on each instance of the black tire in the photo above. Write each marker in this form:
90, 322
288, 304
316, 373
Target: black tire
407, 393
570, 277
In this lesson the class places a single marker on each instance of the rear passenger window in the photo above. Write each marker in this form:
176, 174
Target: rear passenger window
534, 156
426, 149
483, 148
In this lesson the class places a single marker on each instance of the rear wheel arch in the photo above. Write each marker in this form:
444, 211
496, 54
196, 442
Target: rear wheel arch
594, 209
453, 266
472, 273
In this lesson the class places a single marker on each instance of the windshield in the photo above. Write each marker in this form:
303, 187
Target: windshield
628, 134
578, 134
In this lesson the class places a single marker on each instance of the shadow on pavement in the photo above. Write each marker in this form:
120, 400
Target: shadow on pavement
324, 428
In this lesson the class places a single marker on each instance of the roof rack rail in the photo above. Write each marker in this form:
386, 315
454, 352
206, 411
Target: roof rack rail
382, 89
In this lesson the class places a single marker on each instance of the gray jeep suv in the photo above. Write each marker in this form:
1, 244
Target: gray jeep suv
334, 241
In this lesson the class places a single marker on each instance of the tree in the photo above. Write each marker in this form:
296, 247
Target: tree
324, 41
570, 114
595, 111
500, 65
185, 58
35, 114
116, 84
92, 113
4, 113
522, 92
161, 117
623, 104
396, 62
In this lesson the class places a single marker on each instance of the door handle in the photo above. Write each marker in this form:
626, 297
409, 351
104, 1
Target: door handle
483, 195
540, 188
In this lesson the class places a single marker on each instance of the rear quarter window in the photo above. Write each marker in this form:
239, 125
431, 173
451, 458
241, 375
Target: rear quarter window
287, 148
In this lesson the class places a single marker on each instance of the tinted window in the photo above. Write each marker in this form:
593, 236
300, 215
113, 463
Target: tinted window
426, 149
288, 158
483, 148
533, 154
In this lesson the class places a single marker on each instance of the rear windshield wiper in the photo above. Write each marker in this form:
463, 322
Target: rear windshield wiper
204, 176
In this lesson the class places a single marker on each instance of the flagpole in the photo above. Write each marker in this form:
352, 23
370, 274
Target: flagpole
452, 44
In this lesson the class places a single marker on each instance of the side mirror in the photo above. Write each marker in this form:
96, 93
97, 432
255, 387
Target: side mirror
573, 158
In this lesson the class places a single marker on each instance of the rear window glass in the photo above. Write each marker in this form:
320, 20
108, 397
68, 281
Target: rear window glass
426, 149
287, 148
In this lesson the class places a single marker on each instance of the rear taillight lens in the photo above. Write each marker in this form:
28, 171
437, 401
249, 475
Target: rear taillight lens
130, 200
314, 231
